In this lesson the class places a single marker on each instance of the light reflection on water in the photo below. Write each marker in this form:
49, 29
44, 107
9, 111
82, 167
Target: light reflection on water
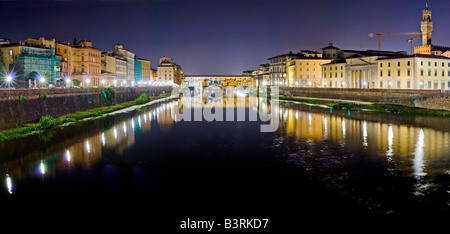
421, 152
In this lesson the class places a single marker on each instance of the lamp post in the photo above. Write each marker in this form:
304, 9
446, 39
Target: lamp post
42, 81
68, 81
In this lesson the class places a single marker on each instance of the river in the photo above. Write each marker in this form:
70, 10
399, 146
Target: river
320, 162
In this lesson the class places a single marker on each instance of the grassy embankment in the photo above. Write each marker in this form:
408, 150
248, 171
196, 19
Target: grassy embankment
48, 122
377, 108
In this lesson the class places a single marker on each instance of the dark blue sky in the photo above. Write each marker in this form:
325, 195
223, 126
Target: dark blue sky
222, 36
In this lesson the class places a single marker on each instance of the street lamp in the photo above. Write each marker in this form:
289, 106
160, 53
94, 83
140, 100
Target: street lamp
8, 79
88, 81
103, 82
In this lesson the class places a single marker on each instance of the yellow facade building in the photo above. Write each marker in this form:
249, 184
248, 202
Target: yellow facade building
306, 71
146, 71
83, 62
414, 72
169, 72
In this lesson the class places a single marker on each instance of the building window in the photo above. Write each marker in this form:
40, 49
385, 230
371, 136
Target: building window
421, 63
409, 72
324, 68
399, 85
381, 73
381, 64
435, 64
429, 72
429, 63
398, 73
421, 72
389, 64
408, 84
398, 64
448, 73
429, 84
435, 72
381, 84
389, 72
409, 63
342, 67
443, 64
448, 85
421, 84
443, 73
10, 52
342, 74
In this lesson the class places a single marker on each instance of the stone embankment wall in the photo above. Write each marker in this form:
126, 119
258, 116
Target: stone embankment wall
28, 105
430, 99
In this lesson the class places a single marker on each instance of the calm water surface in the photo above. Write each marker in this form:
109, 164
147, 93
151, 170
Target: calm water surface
320, 163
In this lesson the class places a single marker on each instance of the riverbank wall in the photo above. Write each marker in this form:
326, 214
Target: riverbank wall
429, 99
21, 106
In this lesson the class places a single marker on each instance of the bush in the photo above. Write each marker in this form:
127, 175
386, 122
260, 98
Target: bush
46, 122
21, 98
109, 94
43, 96
142, 99
26, 130
63, 120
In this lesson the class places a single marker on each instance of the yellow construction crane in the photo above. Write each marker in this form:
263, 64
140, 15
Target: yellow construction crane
379, 35
412, 41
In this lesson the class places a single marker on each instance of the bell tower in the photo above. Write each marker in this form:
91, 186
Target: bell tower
426, 26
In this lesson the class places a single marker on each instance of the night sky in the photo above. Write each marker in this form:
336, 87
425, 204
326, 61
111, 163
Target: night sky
222, 36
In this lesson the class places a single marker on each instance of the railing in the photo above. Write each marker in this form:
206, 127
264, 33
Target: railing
29, 92
414, 91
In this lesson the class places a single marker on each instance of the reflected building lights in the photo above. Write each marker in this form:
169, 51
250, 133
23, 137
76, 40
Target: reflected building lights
115, 133
390, 136
325, 127
139, 121
343, 128
132, 124
42, 168
68, 157
145, 119
309, 119
103, 139
419, 163
88, 146
125, 128
9, 184
365, 143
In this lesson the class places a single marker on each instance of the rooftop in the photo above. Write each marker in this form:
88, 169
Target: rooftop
415, 56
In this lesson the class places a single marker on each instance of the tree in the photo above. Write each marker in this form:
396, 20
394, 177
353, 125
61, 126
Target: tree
2, 62
32, 75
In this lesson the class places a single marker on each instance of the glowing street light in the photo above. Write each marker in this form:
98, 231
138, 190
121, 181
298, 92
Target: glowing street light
8, 79
42, 79
103, 81
68, 80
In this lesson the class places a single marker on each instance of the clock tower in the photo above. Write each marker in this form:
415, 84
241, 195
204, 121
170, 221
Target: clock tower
426, 26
